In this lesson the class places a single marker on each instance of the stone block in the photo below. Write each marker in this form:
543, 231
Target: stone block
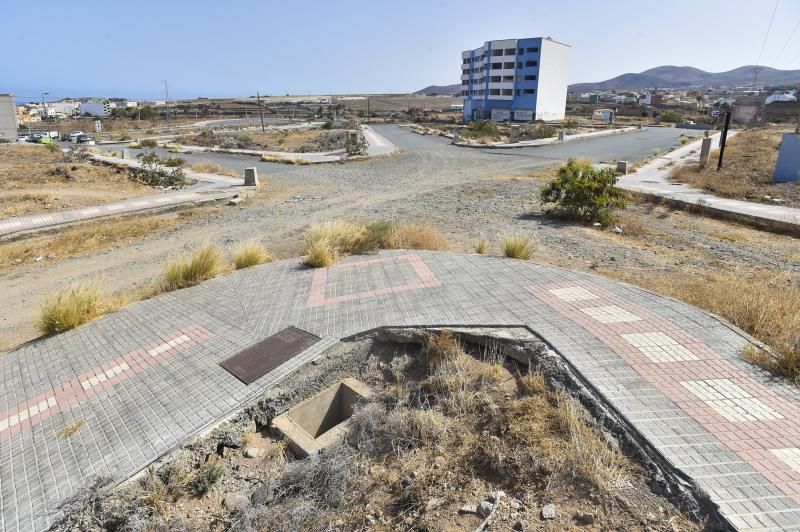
251, 177
513, 136
622, 167
705, 152
126, 153
352, 141
561, 135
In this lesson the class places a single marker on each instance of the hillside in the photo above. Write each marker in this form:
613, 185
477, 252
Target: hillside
434, 90
684, 76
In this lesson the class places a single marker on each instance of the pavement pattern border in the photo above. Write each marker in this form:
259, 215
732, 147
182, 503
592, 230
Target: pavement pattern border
146, 378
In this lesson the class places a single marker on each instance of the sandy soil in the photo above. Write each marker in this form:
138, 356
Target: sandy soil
34, 179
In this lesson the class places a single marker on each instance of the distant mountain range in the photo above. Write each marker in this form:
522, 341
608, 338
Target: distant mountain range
663, 77
683, 76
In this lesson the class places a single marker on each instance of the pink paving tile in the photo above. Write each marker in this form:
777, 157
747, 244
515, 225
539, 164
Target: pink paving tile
425, 279
750, 439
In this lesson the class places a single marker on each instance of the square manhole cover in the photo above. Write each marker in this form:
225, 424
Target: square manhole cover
261, 358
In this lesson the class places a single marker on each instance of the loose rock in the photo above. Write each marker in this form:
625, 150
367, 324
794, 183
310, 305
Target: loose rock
549, 511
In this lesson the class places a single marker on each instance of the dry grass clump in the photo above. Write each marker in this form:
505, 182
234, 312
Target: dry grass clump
765, 305
419, 236
85, 238
630, 223
206, 167
325, 243
481, 247
74, 306
204, 264
250, 254
517, 247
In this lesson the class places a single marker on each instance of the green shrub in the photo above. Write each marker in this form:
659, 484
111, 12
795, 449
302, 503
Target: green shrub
583, 193
671, 116
327, 124
148, 143
175, 162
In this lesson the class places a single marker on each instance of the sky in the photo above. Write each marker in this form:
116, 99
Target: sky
217, 48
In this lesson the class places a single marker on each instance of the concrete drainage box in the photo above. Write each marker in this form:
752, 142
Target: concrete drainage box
319, 421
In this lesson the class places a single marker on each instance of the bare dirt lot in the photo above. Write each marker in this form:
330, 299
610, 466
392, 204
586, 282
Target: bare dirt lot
34, 179
468, 194
283, 140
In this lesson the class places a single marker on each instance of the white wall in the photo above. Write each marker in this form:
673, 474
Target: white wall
551, 97
93, 108
8, 118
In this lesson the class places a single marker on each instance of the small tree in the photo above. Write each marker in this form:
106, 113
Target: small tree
671, 116
584, 193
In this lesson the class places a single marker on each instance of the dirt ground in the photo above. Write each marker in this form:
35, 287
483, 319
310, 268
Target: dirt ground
748, 166
282, 140
34, 179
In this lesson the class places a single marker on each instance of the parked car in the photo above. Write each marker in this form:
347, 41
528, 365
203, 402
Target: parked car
85, 139
23, 137
41, 138
73, 137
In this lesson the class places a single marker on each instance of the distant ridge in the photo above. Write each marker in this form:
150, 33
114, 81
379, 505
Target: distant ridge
684, 76
436, 90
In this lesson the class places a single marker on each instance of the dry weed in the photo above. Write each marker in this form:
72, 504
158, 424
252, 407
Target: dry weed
517, 247
74, 306
250, 254
204, 264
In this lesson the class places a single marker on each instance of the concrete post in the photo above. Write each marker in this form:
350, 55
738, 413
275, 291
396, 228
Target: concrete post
561, 136
622, 167
705, 152
126, 153
456, 136
706, 133
251, 177
352, 141
513, 136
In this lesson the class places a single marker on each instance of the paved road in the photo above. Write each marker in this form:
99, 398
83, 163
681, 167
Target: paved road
425, 154
146, 378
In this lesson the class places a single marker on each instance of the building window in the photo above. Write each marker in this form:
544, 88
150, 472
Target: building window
495, 53
497, 66
508, 65
531, 63
494, 92
533, 50
508, 92
529, 91
517, 92
521, 51
511, 51
530, 77
494, 79
507, 79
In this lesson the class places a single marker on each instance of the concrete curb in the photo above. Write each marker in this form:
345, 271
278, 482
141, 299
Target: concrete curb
547, 142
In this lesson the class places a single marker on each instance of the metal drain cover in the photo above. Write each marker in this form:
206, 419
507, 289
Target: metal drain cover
261, 358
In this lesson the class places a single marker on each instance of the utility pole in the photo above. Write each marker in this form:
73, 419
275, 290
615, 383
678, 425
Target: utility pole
260, 112
166, 95
723, 140
756, 70
44, 105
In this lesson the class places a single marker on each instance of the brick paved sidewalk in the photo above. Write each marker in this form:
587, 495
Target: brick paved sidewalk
146, 378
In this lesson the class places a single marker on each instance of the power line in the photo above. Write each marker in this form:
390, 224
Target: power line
787, 41
772, 18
